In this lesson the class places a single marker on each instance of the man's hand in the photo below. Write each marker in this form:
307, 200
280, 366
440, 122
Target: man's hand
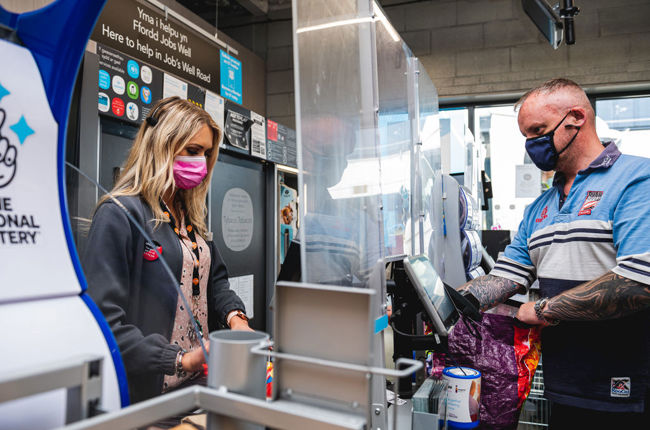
527, 315
491, 290
608, 297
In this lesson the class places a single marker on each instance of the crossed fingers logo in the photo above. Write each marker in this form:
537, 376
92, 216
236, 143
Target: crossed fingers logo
8, 155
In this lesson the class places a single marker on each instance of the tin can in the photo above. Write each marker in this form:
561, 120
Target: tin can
463, 396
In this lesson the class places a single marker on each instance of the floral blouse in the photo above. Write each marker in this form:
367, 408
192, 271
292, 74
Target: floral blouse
183, 333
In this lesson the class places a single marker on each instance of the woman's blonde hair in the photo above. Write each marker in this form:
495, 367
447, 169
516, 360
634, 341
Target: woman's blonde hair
148, 169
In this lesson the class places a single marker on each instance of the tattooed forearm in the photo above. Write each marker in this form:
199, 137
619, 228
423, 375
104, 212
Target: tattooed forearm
610, 296
491, 290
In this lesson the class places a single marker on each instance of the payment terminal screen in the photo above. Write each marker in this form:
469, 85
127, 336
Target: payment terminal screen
429, 280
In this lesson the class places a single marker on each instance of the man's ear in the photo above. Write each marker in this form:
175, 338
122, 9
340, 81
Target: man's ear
577, 117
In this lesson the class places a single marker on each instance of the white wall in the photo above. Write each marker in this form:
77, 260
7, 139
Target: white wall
474, 47
487, 47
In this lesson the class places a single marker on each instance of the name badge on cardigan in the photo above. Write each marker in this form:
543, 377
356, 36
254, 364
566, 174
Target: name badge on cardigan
150, 253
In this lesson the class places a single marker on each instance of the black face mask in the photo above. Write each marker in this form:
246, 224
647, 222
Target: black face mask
541, 149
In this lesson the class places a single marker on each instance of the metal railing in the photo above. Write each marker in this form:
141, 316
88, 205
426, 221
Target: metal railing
81, 377
278, 414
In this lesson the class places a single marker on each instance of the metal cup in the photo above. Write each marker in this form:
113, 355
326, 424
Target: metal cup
231, 364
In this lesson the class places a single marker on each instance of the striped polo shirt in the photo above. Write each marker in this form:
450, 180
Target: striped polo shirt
602, 225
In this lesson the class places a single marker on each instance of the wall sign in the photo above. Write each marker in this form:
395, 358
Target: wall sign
281, 144
237, 219
528, 181
146, 34
196, 95
258, 135
215, 106
127, 87
174, 87
237, 128
231, 78
244, 287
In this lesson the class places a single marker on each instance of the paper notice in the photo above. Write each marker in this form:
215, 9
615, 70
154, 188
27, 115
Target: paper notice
243, 286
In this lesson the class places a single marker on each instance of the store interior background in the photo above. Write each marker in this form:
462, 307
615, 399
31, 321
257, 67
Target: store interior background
481, 55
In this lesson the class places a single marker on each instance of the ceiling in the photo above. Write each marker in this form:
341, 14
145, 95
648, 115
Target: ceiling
234, 13
225, 14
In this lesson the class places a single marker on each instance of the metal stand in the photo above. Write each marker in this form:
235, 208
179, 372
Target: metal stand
279, 414
82, 377
407, 335
323, 361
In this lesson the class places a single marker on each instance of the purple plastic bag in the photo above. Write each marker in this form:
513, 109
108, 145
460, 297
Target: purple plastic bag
506, 356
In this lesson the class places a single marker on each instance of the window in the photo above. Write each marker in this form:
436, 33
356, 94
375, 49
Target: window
498, 132
626, 121
454, 129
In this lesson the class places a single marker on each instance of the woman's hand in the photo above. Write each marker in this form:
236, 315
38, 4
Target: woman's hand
193, 360
237, 320
239, 324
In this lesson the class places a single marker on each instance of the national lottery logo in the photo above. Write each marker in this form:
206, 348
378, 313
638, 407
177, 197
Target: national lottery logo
15, 228
8, 155
8, 147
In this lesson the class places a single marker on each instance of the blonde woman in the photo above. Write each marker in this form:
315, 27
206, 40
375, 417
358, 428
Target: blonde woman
163, 185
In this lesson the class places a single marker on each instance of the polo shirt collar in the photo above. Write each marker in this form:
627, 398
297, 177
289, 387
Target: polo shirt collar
605, 160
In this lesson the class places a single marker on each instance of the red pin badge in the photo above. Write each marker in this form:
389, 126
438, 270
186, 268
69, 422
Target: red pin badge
150, 252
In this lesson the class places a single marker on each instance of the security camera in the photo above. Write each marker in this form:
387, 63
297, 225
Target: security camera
567, 13
549, 20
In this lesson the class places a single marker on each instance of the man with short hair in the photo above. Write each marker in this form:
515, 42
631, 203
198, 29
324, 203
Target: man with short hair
587, 241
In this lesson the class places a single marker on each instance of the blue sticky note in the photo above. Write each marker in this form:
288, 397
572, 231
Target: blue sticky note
381, 323
231, 78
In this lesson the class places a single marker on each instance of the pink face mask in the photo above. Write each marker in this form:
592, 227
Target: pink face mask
189, 171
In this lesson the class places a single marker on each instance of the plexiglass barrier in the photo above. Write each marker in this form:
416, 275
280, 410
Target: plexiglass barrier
369, 145
337, 125
395, 140
432, 228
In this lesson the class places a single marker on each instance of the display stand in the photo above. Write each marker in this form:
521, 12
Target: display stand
45, 313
